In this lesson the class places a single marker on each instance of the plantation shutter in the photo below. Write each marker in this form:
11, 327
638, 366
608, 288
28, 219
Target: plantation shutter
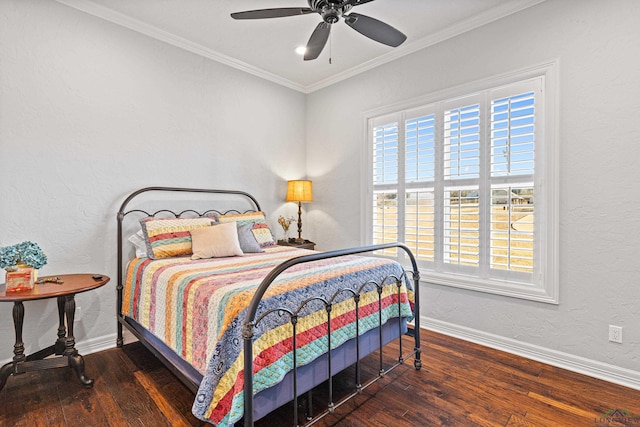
385, 182
461, 170
455, 181
420, 175
512, 166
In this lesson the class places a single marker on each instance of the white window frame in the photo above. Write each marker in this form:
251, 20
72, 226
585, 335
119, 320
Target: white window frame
545, 283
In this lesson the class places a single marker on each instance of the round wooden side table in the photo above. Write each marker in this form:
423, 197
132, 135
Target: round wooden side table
64, 289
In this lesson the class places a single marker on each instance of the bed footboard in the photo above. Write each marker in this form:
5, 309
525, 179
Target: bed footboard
251, 322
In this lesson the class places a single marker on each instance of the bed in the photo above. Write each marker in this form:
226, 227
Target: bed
226, 326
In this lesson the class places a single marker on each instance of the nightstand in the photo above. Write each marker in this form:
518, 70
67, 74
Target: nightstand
304, 244
63, 288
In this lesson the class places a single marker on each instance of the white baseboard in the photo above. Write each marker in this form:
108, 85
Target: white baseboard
94, 345
581, 365
105, 342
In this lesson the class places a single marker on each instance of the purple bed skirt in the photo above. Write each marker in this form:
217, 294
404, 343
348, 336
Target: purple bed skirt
309, 376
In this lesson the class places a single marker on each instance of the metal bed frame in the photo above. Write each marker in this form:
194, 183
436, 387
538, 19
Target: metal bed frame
252, 319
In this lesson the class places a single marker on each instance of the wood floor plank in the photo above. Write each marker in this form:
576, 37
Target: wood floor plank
568, 408
80, 407
555, 418
174, 417
476, 394
164, 381
460, 384
520, 382
131, 397
601, 394
113, 413
518, 421
31, 399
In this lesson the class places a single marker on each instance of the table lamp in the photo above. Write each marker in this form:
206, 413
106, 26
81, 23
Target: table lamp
300, 191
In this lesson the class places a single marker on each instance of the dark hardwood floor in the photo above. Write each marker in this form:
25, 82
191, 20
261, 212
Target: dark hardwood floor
460, 384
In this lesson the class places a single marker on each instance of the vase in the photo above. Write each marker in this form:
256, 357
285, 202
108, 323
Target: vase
21, 279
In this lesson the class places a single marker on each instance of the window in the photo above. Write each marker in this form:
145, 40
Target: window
459, 179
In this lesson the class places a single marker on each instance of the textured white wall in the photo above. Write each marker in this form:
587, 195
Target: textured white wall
89, 112
597, 43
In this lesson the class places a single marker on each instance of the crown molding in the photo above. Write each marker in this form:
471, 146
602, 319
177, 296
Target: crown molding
123, 20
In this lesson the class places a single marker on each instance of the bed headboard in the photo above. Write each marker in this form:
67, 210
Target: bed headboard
148, 202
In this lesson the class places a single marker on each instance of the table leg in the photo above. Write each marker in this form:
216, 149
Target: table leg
75, 360
18, 319
62, 330
18, 347
70, 312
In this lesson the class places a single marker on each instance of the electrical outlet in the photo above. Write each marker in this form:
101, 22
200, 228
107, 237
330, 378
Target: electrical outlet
615, 334
78, 315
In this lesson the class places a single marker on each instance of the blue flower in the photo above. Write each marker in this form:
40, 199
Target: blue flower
8, 256
28, 253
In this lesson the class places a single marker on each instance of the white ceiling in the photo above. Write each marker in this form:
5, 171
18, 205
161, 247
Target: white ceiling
266, 47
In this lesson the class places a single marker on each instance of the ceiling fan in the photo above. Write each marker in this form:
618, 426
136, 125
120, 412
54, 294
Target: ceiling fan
331, 11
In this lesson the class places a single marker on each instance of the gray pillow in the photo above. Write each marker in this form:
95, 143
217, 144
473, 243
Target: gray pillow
248, 242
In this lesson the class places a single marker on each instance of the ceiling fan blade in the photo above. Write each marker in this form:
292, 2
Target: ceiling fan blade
355, 2
317, 41
375, 30
272, 13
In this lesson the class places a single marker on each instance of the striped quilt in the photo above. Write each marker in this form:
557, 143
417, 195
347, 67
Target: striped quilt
197, 308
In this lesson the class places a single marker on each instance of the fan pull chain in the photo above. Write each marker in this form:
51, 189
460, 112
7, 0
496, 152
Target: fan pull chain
330, 47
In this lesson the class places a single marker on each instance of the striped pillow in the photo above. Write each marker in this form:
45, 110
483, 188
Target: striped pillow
260, 227
169, 237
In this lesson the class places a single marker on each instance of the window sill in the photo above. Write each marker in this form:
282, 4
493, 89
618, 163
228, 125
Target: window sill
540, 293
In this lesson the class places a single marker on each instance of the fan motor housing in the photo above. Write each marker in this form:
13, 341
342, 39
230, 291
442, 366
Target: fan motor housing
329, 10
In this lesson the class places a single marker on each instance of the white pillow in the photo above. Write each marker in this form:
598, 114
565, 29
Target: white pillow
139, 243
217, 241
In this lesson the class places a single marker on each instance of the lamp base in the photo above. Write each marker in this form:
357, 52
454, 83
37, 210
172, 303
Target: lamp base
299, 221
